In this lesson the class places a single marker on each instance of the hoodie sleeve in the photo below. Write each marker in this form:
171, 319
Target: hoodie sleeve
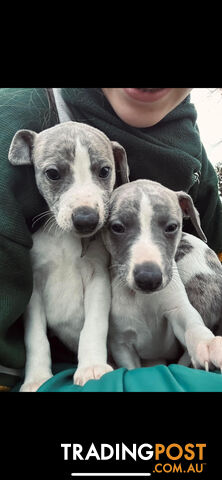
19, 203
207, 201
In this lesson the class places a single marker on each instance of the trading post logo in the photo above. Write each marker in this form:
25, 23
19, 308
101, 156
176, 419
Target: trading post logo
159, 458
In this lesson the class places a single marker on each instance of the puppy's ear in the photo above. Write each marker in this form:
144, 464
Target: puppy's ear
189, 211
21, 147
122, 168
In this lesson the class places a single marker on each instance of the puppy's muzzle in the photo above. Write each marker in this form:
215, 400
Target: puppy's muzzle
147, 277
85, 220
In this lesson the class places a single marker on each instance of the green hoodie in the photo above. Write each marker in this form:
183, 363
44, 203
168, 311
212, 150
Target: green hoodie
170, 152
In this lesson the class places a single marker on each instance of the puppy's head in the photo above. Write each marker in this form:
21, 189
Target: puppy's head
75, 169
143, 232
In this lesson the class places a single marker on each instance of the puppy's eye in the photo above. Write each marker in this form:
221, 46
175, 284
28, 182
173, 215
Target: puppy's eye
104, 172
117, 227
171, 228
52, 174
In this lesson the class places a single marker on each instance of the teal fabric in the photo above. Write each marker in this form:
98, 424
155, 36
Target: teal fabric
174, 378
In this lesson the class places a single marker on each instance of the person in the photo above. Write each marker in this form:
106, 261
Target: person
158, 129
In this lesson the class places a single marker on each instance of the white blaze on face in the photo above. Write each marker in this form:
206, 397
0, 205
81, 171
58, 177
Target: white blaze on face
83, 193
144, 249
82, 164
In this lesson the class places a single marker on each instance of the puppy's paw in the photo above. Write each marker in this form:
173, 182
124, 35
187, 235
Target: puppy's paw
215, 351
94, 372
208, 354
33, 386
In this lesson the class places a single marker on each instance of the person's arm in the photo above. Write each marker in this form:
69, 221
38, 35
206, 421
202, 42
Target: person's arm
207, 201
19, 203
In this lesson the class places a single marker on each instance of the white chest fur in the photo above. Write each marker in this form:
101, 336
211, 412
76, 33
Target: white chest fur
59, 276
141, 321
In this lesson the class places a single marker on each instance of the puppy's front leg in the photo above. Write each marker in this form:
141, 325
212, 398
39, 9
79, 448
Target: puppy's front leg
203, 347
92, 351
38, 357
124, 355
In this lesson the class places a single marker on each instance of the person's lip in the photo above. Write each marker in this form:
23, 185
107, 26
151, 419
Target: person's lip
146, 95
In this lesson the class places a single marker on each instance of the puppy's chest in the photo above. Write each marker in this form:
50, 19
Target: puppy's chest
141, 323
60, 274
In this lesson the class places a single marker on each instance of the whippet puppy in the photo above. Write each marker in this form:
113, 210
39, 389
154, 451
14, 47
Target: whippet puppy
75, 172
166, 285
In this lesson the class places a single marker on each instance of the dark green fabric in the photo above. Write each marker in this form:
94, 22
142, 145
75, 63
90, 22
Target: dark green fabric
170, 152
20, 201
174, 378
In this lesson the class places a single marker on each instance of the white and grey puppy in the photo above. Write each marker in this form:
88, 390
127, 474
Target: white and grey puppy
75, 172
151, 315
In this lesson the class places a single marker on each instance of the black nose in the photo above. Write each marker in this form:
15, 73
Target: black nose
147, 276
85, 219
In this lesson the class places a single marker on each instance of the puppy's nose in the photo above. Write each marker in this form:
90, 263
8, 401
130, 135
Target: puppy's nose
147, 276
85, 219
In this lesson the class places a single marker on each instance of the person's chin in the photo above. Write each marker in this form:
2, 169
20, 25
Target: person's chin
137, 119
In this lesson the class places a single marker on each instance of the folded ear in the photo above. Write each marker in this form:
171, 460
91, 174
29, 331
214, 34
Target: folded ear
189, 211
21, 147
122, 168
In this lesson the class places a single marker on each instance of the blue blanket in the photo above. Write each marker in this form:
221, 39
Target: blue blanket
174, 378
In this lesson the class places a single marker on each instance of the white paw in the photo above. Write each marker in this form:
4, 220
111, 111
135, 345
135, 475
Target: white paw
33, 386
83, 374
208, 354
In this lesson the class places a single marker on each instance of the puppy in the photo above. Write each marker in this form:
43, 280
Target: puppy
151, 314
75, 172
